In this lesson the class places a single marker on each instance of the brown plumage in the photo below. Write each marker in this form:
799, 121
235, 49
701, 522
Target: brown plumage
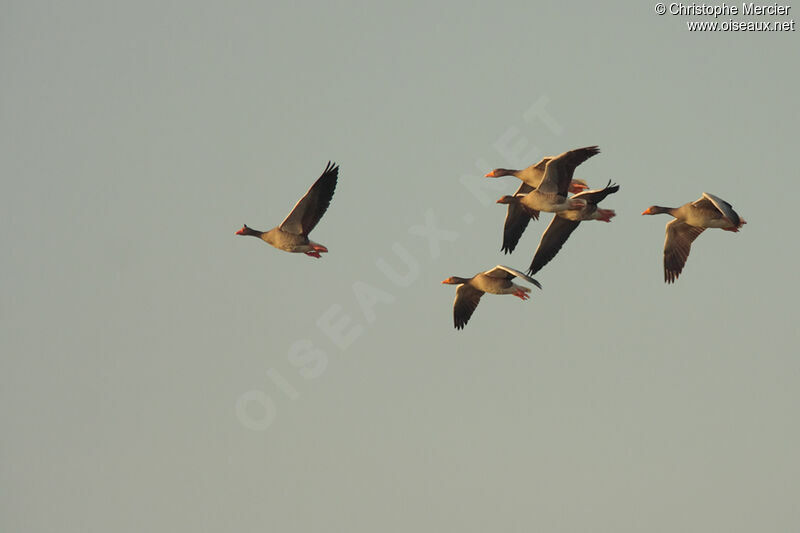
291, 235
517, 216
565, 222
494, 281
690, 221
549, 195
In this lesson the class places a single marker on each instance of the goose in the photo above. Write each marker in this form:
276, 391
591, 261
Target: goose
532, 176
494, 281
517, 217
691, 220
291, 235
550, 195
565, 222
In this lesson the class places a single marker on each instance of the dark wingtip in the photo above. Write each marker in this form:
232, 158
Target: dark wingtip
594, 149
331, 167
534, 269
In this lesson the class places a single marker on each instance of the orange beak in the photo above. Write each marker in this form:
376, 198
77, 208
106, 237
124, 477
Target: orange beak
240, 232
489, 174
646, 211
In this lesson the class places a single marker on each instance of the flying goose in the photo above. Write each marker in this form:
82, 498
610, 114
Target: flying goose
565, 222
291, 235
690, 221
544, 188
494, 281
517, 217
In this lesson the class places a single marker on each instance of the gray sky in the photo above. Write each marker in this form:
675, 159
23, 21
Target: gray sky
161, 374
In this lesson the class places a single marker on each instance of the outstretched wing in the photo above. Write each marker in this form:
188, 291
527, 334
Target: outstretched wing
517, 218
560, 169
309, 210
677, 245
724, 207
598, 195
467, 299
504, 272
552, 240
542, 164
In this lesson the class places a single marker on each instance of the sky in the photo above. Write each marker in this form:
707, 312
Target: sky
160, 373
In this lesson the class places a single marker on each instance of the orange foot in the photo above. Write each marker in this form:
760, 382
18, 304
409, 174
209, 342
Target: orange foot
522, 295
313, 253
606, 214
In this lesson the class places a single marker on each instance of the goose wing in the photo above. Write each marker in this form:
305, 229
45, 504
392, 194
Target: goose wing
723, 207
517, 218
309, 209
541, 165
677, 245
559, 170
467, 299
504, 272
598, 195
552, 240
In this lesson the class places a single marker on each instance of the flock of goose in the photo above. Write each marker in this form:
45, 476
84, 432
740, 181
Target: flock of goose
545, 187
